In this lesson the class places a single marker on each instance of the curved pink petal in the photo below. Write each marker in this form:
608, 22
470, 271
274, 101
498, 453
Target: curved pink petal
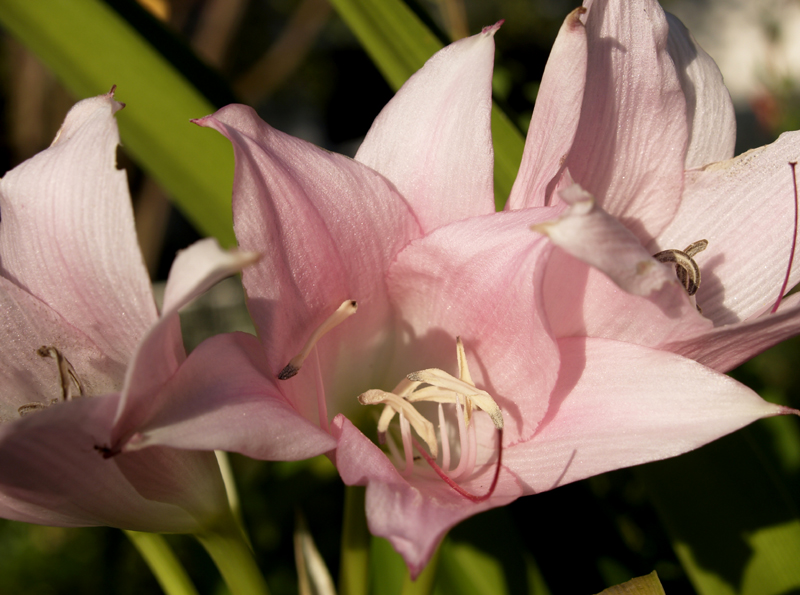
161, 350
197, 268
618, 404
582, 301
480, 279
27, 377
51, 473
590, 234
712, 122
415, 513
555, 117
744, 207
723, 348
223, 398
631, 140
327, 228
433, 139
67, 233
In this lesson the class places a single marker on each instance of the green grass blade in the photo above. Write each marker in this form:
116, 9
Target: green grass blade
90, 48
399, 43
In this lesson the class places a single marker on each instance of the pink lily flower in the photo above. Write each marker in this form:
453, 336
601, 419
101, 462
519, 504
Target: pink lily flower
639, 197
84, 347
371, 270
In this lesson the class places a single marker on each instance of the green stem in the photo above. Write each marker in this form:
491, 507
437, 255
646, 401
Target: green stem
234, 559
354, 569
162, 562
230, 490
426, 579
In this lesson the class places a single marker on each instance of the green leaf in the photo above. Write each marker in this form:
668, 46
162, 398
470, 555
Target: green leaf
90, 48
399, 43
484, 555
642, 585
731, 515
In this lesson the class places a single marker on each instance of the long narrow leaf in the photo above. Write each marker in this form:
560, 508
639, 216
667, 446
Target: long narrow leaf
90, 48
399, 44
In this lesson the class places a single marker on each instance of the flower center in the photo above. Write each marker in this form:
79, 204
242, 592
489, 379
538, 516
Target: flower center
70, 383
686, 268
430, 385
436, 386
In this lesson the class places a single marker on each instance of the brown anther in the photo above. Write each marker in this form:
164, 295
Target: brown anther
686, 268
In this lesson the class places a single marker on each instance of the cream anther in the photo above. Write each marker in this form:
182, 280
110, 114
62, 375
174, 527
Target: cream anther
347, 309
474, 397
400, 405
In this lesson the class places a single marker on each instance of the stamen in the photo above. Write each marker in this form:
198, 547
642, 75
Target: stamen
464, 442
347, 309
68, 381
405, 434
322, 403
463, 367
24, 410
474, 396
422, 426
445, 440
67, 376
793, 165
442, 388
685, 267
449, 481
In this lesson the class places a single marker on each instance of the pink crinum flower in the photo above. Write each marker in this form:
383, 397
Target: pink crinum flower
84, 347
375, 269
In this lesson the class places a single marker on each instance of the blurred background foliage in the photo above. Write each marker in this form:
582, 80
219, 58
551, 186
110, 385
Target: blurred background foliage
723, 519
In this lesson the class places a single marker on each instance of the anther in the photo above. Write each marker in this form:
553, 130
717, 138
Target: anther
399, 405
448, 387
347, 309
67, 375
686, 268
67, 378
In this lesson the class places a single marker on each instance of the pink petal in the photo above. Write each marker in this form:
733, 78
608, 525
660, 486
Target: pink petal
327, 228
555, 117
582, 301
27, 377
480, 279
222, 398
67, 233
433, 140
590, 234
631, 141
161, 351
712, 122
52, 474
197, 268
412, 514
653, 406
725, 347
745, 209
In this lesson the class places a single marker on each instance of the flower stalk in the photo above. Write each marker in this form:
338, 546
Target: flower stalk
227, 546
354, 567
161, 560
